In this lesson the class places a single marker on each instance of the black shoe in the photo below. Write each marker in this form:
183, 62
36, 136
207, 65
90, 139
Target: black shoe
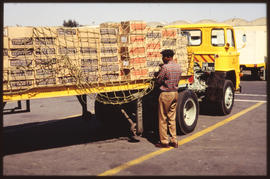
174, 144
160, 145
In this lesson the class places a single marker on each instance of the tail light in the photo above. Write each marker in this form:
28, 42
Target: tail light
191, 79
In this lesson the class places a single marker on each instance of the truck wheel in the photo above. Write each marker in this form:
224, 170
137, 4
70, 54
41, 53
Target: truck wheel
187, 111
226, 103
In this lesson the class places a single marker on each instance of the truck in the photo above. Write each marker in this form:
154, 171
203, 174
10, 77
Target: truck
252, 42
207, 52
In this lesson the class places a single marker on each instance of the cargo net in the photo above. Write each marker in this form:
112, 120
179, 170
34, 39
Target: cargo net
115, 60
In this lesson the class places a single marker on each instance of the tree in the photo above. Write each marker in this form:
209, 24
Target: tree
70, 23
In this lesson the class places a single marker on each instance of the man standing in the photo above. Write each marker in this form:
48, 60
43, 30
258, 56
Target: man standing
168, 79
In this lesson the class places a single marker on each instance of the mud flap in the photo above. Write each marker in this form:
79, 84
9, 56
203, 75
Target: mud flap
215, 84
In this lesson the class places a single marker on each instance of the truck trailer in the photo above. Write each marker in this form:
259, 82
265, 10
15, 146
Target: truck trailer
117, 62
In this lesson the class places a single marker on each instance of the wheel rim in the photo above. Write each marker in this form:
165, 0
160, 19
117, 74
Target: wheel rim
190, 111
228, 97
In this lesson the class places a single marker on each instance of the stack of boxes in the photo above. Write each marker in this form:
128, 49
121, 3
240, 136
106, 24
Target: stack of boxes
18, 58
153, 49
51, 56
45, 56
89, 44
132, 49
109, 55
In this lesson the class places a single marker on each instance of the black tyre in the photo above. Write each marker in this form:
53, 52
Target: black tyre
225, 105
187, 111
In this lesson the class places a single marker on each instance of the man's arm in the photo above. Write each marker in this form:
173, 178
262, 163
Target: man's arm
161, 75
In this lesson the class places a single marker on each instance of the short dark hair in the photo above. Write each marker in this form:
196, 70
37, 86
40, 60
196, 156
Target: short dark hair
167, 53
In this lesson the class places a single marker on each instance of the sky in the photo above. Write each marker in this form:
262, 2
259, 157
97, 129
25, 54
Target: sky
53, 14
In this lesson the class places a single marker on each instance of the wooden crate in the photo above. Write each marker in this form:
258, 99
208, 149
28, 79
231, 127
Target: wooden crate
88, 61
69, 41
45, 51
19, 32
66, 80
133, 27
153, 54
21, 52
108, 51
45, 61
20, 74
90, 78
110, 77
41, 32
110, 59
169, 33
62, 50
21, 42
89, 42
88, 32
46, 73
89, 69
108, 31
131, 51
21, 84
132, 39
44, 41
46, 82
110, 68
153, 46
66, 32
25, 63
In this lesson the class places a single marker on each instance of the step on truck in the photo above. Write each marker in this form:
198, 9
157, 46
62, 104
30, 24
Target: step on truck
117, 61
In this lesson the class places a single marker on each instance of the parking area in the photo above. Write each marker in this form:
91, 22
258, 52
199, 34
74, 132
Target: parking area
53, 139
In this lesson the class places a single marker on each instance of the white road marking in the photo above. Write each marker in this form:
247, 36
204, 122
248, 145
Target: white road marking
250, 95
245, 100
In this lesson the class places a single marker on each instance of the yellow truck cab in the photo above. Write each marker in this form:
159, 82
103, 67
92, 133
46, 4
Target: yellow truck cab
216, 63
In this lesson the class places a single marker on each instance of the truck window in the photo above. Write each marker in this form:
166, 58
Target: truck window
194, 37
230, 38
218, 37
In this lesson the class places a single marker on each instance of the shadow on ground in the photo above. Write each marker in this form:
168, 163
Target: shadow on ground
57, 133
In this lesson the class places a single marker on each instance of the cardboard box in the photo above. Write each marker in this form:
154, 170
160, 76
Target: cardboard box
66, 31
46, 73
45, 51
89, 69
90, 78
67, 50
153, 46
153, 54
64, 41
88, 61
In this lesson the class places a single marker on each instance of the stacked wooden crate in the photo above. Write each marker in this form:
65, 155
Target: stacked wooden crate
18, 55
46, 67
109, 55
172, 39
133, 51
89, 48
153, 49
